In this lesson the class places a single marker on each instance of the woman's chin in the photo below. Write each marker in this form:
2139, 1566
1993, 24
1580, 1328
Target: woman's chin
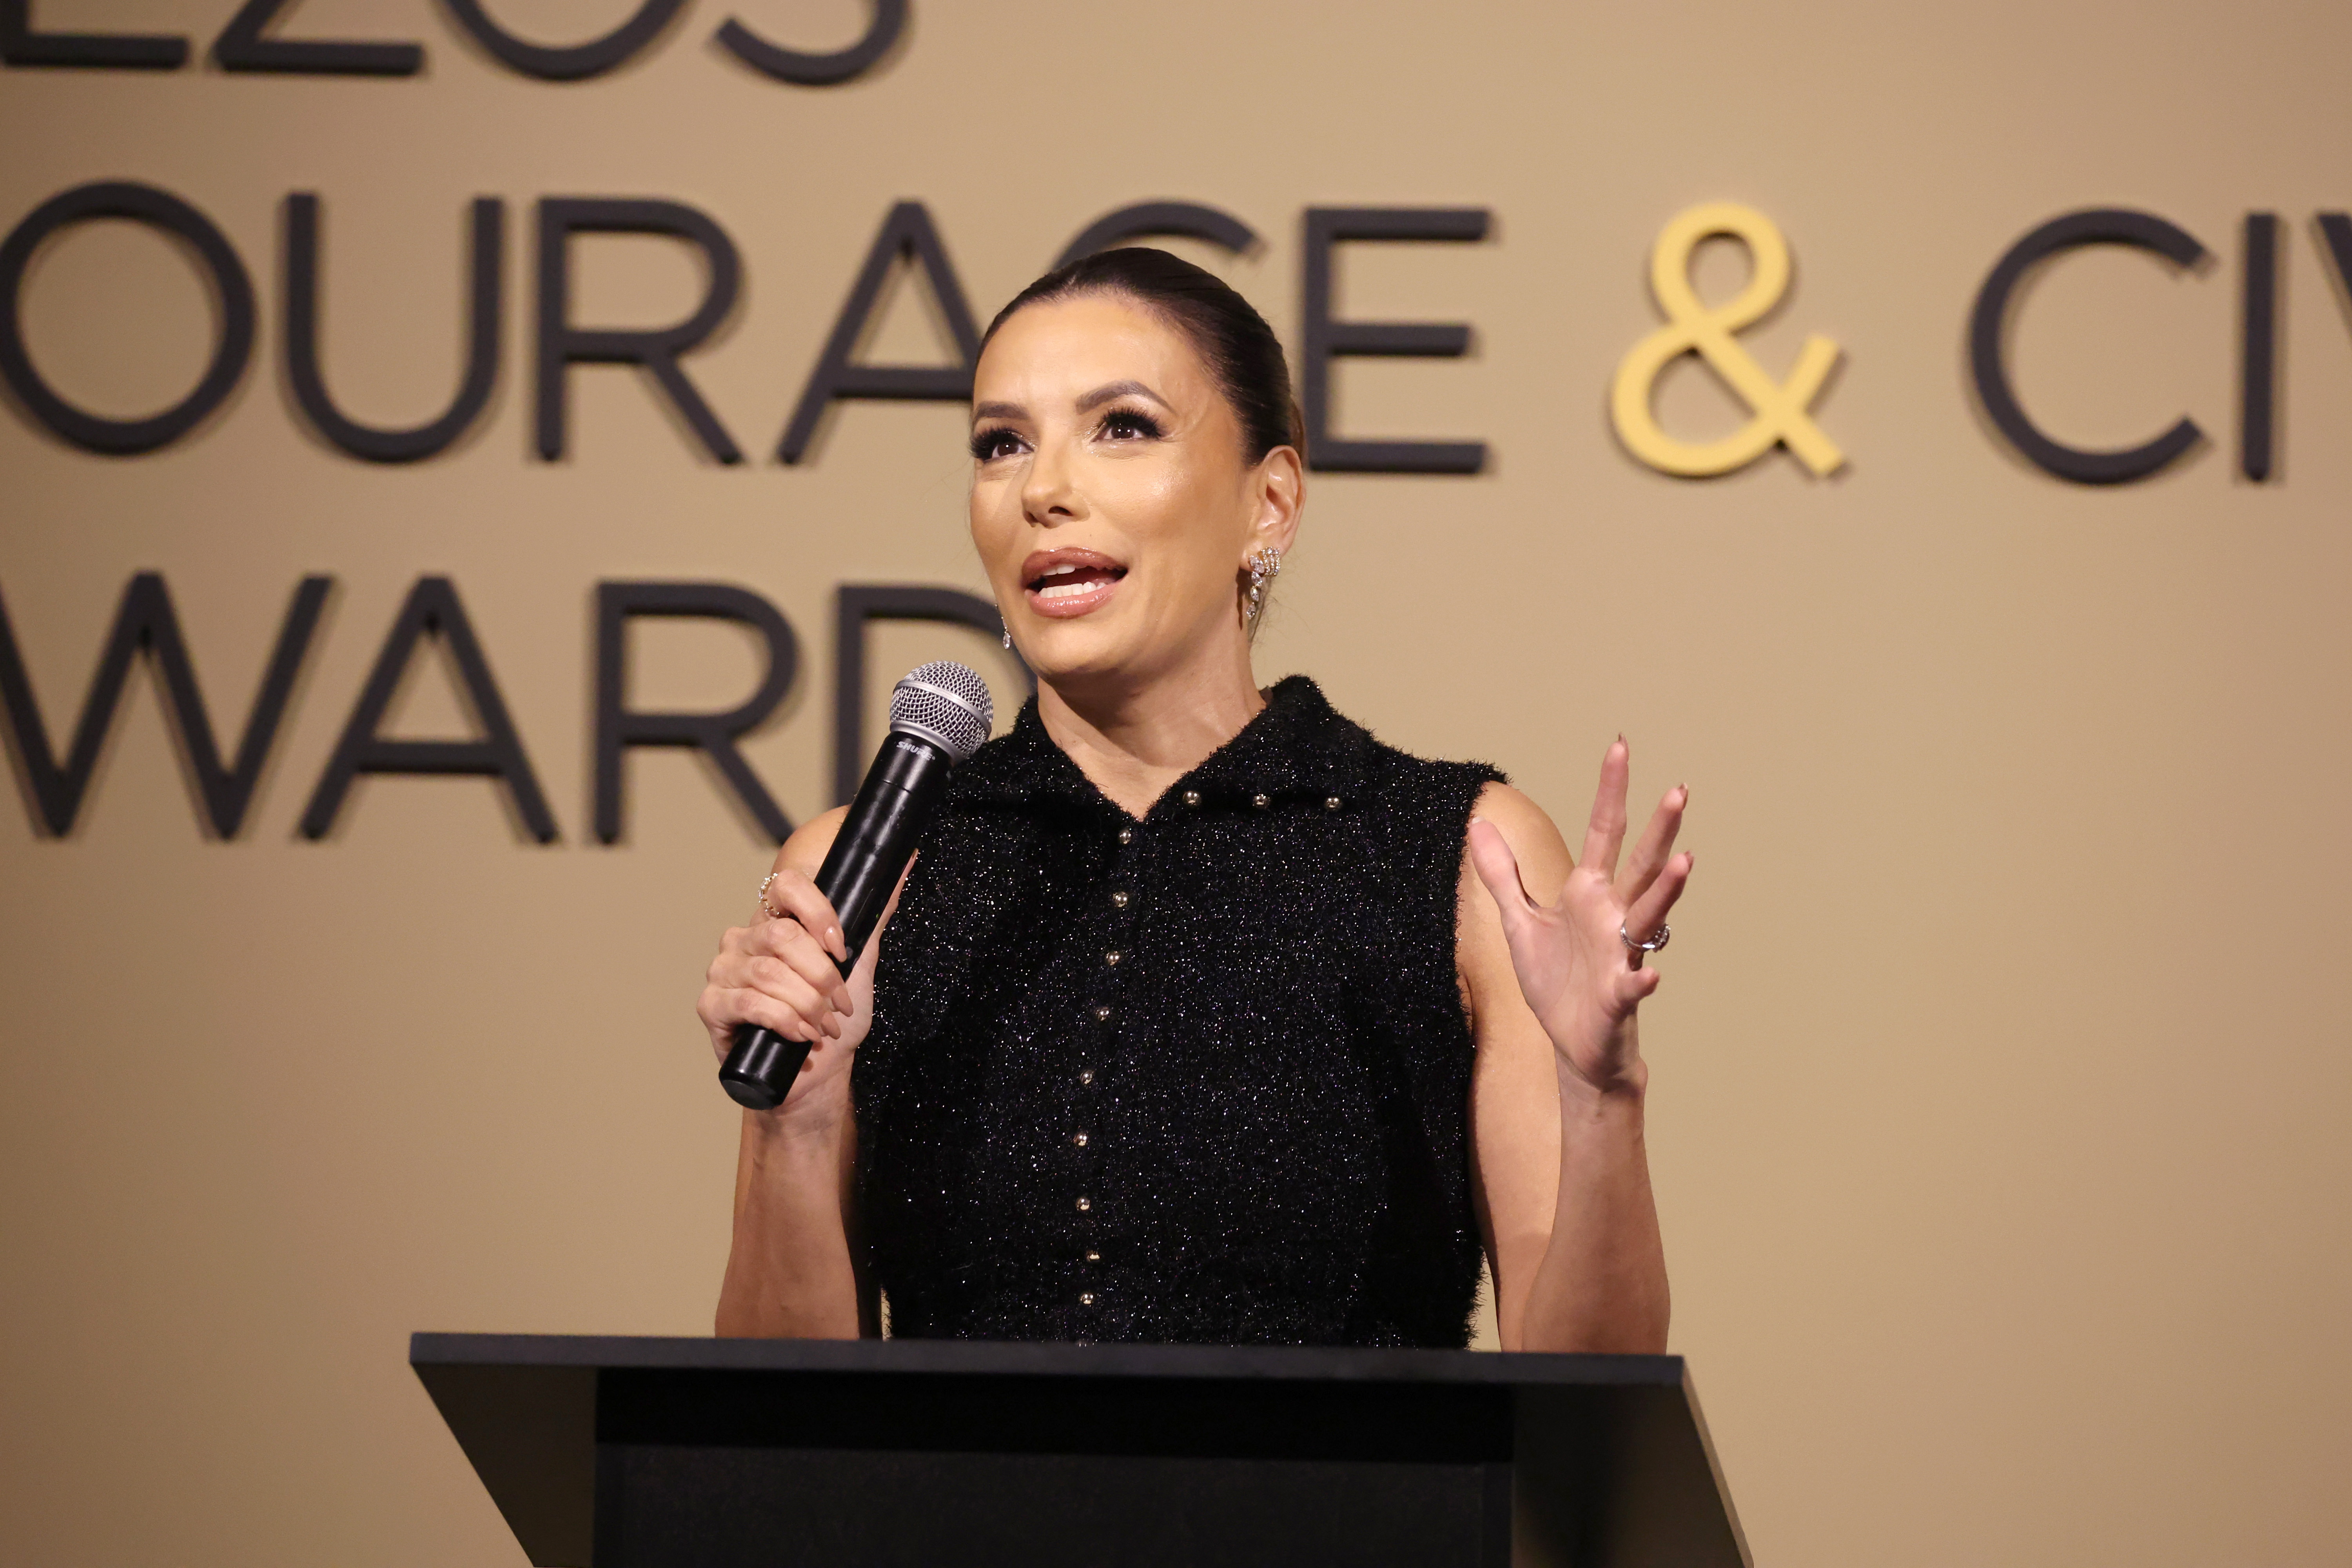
1075, 649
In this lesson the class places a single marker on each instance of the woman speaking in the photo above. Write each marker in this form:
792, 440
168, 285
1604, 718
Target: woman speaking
1201, 1015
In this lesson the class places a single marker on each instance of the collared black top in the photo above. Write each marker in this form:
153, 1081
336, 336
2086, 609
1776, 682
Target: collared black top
1202, 1076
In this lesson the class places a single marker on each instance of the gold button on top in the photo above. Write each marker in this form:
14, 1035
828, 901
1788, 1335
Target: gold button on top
1085, 1297
1261, 802
1080, 1139
1085, 1204
1092, 1256
1102, 1012
1111, 958
1086, 1075
1192, 797
1119, 900
1330, 802
1126, 835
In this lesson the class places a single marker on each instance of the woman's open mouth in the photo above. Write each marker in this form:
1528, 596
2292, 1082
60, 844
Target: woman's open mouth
1065, 583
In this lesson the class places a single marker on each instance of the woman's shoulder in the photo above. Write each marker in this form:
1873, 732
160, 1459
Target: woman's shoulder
1414, 810
1438, 796
1508, 808
1393, 774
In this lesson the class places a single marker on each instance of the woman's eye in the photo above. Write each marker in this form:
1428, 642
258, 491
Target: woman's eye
991, 444
1126, 424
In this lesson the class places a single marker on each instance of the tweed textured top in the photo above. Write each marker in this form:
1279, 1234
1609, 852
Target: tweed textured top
1202, 1076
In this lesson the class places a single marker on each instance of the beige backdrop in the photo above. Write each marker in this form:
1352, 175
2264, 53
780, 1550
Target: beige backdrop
2001, 1081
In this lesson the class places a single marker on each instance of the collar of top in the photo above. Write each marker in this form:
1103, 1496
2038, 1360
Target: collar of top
1297, 746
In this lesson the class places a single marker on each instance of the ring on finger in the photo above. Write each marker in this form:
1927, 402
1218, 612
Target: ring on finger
765, 908
1657, 942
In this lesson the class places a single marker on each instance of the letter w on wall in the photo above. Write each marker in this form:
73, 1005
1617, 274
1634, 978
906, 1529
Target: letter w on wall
146, 623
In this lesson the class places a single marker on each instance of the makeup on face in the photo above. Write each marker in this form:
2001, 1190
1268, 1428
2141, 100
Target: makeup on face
1105, 469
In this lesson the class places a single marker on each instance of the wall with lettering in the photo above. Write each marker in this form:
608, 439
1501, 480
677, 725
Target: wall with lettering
473, 468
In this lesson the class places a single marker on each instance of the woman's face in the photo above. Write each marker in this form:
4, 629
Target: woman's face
1110, 502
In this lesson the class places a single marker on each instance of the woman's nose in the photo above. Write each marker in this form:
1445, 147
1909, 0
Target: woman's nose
1048, 495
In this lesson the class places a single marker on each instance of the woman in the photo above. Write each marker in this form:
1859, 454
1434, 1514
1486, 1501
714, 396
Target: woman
1201, 1016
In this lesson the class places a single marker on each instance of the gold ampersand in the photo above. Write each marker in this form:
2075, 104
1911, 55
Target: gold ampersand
1778, 409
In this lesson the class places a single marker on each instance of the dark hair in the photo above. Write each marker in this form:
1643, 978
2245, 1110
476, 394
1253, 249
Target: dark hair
1244, 356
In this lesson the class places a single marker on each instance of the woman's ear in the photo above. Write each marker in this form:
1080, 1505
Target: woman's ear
1278, 493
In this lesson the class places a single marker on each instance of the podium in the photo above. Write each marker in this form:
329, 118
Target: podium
691, 1453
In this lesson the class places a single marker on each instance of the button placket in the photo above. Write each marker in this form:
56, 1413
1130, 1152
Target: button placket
1099, 1021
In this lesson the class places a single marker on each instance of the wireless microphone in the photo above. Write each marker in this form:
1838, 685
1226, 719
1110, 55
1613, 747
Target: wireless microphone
938, 716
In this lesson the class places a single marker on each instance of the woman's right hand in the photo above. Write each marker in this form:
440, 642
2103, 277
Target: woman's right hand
781, 972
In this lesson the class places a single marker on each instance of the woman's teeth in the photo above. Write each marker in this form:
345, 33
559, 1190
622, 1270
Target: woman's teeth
1067, 582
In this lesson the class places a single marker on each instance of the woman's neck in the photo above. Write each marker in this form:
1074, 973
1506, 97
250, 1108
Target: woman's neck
1134, 743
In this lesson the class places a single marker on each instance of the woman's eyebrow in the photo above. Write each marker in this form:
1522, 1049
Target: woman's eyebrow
1102, 394
998, 411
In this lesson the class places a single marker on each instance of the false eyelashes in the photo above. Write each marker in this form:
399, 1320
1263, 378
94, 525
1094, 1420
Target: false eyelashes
1118, 425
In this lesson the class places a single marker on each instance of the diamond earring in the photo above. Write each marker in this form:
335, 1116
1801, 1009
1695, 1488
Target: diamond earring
1265, 566
1008, 637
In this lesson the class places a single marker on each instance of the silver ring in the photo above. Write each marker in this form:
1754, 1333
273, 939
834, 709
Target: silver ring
1656, 943
765, 908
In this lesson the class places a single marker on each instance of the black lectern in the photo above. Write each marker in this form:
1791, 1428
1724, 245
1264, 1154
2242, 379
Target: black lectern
646, 1453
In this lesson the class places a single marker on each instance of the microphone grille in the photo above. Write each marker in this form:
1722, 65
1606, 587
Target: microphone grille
945, 703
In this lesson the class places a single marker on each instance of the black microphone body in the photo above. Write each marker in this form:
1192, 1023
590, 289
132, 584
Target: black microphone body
860, 871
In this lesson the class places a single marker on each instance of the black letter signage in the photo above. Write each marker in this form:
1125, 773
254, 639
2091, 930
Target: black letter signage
907, 232
1987, 324
655, 349
372, 442
20, 46
571, 62
431, 607
619, 726
145, 622
817, 71
242, 47
1145, 220
2336, 244
1326, 339
158, 209
2258, 348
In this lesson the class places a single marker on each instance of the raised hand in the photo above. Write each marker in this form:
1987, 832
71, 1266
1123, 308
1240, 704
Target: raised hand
1578, 976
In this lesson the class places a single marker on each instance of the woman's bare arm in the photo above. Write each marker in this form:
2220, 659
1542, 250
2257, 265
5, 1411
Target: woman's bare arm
1558, 1094
795, 1270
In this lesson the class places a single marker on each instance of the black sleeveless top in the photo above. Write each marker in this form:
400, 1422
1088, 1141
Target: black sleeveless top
1202, 1075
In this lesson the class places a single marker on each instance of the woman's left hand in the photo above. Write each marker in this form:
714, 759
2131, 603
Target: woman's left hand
1578, 976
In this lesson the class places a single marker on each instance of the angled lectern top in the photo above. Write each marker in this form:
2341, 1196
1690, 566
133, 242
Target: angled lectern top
623, 1453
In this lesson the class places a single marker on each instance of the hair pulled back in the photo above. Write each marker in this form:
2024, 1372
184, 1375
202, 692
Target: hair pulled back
1243, 355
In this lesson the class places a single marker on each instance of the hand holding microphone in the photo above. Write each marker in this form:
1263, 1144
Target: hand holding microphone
780, 974
776, 988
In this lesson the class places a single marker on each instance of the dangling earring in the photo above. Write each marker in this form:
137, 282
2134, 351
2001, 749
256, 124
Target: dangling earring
1265, 566
1008, 637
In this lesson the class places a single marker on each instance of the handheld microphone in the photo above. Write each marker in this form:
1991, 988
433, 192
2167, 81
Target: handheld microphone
938, 716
